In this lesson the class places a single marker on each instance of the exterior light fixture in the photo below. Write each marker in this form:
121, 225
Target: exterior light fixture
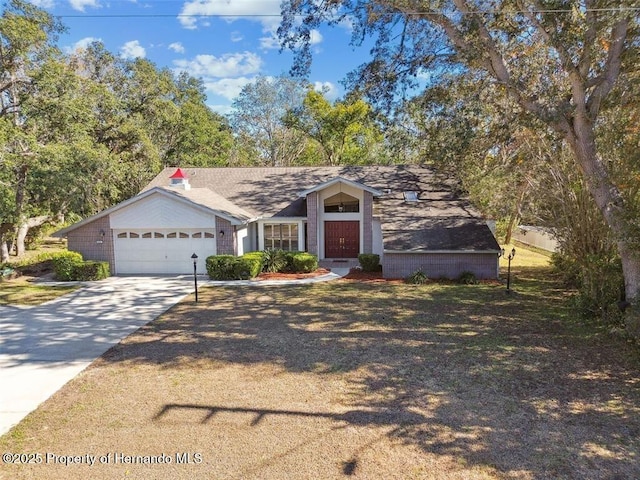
221, 233
510, 257
101, 237
195, 274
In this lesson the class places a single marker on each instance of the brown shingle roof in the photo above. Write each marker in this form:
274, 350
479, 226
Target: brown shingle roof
439, 221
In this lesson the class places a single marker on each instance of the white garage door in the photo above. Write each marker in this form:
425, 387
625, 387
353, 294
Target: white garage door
162, 251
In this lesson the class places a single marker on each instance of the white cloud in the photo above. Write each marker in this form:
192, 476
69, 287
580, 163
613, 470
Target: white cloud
132, 49
227, 65
236, 36
176, 47
264, 11
270, 42
329, 90
81, 44
221, 109
228, 88
80, 5
43, 3
315, 37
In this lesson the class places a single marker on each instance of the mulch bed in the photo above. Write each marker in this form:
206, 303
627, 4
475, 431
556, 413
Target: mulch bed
292, 276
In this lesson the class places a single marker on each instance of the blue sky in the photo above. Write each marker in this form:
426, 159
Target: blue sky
228, 46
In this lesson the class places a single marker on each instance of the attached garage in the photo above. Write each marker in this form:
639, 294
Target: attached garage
161, 251
157, 232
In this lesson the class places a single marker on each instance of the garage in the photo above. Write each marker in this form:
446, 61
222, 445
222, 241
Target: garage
162, 251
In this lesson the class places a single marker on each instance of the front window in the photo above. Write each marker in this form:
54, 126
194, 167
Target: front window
341, 203
282, 236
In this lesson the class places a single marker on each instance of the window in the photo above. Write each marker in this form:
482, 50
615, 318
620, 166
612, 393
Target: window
208, 235
146, 235
134, 235
197, 235
172, 235
158, 235
281, 236
184, 235
122, 235
341, 203
410, 196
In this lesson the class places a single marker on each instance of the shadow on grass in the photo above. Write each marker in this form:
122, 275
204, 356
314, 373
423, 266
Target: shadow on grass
508, 381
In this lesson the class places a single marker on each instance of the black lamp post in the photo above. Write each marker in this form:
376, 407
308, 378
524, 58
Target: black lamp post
510, 257
195, 273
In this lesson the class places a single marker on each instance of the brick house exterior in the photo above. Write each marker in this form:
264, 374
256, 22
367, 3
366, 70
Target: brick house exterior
406, 214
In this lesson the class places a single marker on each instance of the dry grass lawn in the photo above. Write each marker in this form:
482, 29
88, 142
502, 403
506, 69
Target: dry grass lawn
348, 379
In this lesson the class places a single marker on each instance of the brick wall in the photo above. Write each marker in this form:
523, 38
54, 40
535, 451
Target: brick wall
224, 243
440, 265
367, 222
312, 223
84, 240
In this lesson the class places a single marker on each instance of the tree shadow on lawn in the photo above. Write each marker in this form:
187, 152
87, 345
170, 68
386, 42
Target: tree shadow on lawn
506, 381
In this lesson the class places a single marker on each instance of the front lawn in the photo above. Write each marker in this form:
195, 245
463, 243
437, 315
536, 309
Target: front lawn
22, 292
369, 380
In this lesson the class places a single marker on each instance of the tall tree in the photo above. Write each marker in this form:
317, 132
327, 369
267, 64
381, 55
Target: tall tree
345, 130
27, 36
558, 60
258, 119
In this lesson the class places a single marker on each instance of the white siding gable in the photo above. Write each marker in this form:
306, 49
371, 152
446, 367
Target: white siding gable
159, 211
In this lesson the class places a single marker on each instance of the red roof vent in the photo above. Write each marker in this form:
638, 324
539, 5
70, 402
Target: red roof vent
179, 174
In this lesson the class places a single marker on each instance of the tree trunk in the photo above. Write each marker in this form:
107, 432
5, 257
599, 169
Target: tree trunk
4, 247
23, 230
609, 201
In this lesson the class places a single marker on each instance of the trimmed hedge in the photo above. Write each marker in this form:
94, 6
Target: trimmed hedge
304, 262
65, 264
370, 262
255, 257
91, 271
229, 267
253, 260
69, 266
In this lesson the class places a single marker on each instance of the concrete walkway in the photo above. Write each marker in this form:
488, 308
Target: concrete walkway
43, 347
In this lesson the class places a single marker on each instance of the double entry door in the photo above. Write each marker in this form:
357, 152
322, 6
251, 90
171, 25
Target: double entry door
341, 239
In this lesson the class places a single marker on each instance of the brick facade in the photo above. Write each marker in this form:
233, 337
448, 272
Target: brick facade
312, 223
224, 243
89, 241
367, 223
440, 265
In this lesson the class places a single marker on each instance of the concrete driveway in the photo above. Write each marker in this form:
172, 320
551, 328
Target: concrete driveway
43, 347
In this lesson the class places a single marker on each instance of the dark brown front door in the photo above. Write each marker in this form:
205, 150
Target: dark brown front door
341, 239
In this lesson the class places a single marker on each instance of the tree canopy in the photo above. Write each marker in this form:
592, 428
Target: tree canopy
83, 131
558, 62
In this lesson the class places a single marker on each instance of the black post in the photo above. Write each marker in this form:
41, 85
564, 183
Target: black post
195, 274
510, 257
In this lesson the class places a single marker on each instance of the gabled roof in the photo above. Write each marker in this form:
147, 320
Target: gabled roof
333, 181
440, 219
200, 198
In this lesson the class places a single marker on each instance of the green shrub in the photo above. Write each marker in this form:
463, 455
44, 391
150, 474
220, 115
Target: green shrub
254, 262
91, 271
600, 288
229, 267
370, 262
64, 264
468, 278
304, 262
417, 278
274, 261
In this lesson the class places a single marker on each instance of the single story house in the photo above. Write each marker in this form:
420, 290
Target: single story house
408, 215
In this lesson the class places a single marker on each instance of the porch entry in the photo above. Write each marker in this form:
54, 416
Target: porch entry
341, 239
